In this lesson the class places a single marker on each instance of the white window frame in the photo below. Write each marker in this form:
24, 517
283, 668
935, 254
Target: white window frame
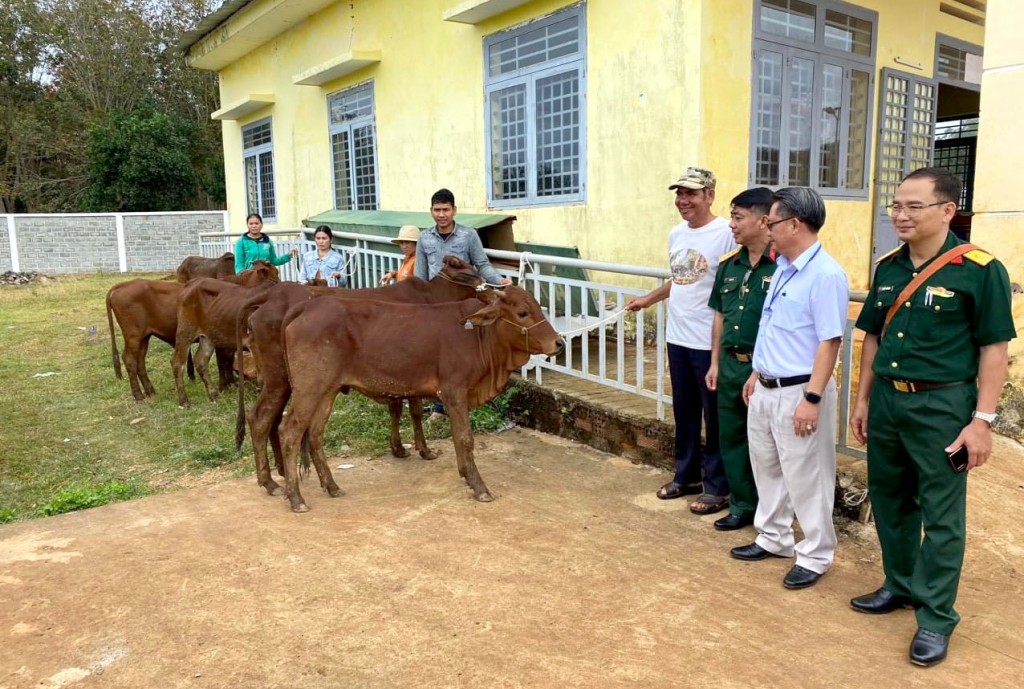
255, 153
528, 77
821, 55
350, 127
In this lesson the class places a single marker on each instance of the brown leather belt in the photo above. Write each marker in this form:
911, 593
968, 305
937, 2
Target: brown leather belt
742, 357
782, 382
920, 385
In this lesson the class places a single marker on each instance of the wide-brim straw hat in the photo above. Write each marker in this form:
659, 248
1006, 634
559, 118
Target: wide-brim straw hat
407, 233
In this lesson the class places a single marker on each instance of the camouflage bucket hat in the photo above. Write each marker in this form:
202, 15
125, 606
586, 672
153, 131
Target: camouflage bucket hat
696, 178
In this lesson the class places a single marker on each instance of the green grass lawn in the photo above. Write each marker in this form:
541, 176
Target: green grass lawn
72, 437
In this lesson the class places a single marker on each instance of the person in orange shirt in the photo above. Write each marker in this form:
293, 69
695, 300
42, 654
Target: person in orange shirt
408, 236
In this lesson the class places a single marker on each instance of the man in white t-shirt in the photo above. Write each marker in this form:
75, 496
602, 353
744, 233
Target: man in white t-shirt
694, 247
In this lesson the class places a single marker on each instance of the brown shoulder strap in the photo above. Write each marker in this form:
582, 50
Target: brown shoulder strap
915, 284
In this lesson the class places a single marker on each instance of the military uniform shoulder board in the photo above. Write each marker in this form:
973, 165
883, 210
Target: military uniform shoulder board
979, 256
725, 257
889, 254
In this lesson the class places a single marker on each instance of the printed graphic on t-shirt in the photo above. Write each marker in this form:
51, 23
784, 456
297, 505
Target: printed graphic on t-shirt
688, 266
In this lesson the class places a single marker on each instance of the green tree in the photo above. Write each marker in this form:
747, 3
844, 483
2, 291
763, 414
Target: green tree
67, 66
140, 160
22, 129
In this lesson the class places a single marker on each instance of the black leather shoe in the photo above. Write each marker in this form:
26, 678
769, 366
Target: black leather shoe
879, 602
800, 578
928, 647
731, 522
752, 552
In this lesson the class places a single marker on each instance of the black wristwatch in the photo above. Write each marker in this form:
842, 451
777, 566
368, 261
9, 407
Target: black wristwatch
812, 397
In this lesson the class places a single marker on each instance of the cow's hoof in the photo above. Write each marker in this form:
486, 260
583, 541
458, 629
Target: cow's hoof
400, 453
335, 491
274, 489
300, 508
430, 455
485, 497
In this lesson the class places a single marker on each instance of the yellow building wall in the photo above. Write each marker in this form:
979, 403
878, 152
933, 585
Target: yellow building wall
998, 223
667, 85
642, 124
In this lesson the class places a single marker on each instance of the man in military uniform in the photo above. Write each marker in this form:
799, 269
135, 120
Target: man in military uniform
737, 297
930, 376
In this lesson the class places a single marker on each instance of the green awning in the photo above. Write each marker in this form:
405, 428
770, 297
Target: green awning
364, 221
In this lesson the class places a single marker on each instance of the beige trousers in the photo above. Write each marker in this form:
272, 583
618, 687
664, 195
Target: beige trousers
794, 475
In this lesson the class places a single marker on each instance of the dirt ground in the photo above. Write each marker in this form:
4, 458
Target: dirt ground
576, 576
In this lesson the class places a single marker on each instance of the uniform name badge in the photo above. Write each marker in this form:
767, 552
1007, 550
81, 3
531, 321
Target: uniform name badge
933, 293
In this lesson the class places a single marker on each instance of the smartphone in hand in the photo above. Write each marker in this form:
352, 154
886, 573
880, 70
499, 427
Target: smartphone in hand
958, 459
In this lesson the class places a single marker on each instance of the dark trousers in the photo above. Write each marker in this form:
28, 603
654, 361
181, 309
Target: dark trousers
690, 400
912, 487
732, 435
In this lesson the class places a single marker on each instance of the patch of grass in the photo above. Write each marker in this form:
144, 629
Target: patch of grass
213, 456
79, 426
84, 497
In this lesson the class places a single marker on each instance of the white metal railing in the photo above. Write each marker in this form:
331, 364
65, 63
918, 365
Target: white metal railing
573, 306
592, 312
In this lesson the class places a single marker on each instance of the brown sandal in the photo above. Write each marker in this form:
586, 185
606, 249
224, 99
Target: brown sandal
709, 504
673, 490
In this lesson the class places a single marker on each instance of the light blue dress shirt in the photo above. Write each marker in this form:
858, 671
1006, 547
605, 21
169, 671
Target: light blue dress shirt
806, 304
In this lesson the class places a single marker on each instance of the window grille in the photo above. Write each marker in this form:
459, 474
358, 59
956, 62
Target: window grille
353, 148
258, 163
535, 98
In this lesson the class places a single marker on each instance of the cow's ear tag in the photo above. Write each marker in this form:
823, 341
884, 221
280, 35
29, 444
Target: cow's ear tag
468, 325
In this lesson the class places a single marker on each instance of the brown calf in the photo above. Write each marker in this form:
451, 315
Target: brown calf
210, 307
144, 308
198, 267
461, 353
456, 281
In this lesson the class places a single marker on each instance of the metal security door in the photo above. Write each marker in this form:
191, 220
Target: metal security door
906, 134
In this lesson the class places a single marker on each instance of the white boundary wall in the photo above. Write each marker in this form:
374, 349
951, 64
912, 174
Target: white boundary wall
56, 243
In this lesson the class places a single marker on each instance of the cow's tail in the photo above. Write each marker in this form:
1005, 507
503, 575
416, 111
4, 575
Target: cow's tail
191, 365
306, 455
113, 339
241, 328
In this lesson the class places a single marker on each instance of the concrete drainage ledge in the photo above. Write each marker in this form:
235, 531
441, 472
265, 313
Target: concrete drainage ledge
639, 439
646, 441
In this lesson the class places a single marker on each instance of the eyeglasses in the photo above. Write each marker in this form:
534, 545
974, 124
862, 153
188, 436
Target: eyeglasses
776, 222
914, 209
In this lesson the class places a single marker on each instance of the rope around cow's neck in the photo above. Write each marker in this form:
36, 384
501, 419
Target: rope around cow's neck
482, 287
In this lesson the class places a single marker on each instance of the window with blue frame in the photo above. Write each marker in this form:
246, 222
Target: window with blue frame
534, 106
814, 65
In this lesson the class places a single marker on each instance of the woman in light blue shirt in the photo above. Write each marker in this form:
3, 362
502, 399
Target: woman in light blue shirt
323, 263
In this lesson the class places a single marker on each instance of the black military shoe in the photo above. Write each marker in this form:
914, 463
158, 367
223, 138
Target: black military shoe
879, 602
800, 578
752, 552
731, 522
928, 647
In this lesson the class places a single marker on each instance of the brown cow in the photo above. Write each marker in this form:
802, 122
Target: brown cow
199, 267
210, 308
461, 352
144, 308
456, 281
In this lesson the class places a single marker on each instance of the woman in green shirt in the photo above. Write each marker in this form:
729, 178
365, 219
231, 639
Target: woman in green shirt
256, 246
